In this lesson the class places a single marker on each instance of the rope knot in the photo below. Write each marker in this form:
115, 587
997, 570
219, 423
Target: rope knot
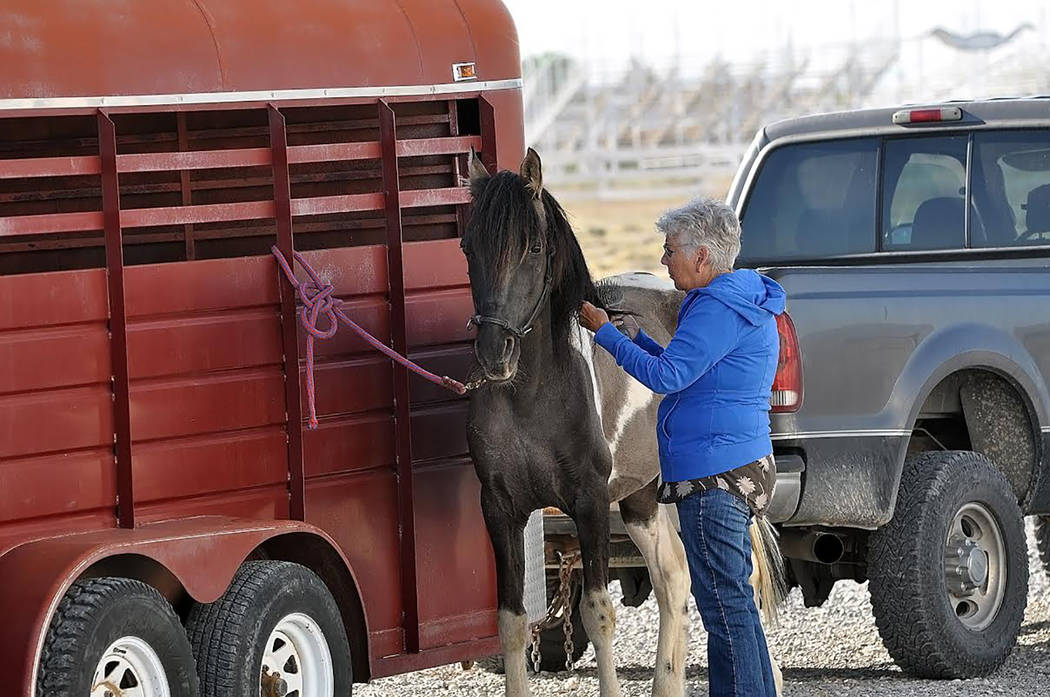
316, 296
318, 300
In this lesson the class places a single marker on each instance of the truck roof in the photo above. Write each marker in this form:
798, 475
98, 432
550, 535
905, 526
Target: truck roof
83, 49
1000, 112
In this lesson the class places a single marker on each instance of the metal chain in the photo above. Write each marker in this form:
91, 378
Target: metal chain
536, 631
561, 602
566, 627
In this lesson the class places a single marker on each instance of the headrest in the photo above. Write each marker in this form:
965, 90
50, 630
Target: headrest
1037, 209
939, 223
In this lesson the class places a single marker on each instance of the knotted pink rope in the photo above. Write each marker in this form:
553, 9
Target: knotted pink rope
316, 296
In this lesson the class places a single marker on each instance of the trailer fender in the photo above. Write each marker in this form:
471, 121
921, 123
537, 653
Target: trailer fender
202, 553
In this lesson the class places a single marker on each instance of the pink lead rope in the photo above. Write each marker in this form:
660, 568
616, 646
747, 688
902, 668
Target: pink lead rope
316, 296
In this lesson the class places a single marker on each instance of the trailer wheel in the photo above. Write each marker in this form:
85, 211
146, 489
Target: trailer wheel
114, 636
949, 574
276, 631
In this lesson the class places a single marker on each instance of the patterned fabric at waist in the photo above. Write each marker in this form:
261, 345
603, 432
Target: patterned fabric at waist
752, 482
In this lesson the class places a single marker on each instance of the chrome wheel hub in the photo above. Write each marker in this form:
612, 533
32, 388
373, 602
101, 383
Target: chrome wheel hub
965, 566
975, 566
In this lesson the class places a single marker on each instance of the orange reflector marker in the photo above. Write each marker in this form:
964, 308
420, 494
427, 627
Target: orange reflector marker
464, 71
937, 115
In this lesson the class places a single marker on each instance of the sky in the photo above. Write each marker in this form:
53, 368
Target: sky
607, 33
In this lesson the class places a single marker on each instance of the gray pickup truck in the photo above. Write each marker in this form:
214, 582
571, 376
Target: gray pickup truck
913, 435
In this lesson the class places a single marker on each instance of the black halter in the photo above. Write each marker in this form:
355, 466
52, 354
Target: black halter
478, 320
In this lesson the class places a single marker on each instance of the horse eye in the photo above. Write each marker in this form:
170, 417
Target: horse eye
536, 249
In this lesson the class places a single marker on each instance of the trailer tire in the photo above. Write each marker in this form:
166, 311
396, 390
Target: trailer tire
115, 629
949, 573
273, 612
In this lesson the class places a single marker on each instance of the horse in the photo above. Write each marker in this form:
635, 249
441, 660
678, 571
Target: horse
555, 422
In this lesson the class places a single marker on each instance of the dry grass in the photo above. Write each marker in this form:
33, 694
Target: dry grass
618, 236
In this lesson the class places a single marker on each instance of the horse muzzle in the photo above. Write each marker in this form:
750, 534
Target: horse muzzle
497, 352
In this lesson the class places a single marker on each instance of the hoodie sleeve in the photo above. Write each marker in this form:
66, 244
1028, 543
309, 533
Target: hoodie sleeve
646, 342
707, 332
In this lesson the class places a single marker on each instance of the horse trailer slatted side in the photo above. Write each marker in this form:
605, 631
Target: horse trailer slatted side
152, 374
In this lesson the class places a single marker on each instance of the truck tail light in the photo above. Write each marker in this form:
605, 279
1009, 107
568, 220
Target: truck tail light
787, 385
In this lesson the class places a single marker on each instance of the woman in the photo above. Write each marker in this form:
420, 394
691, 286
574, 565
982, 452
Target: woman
713, 429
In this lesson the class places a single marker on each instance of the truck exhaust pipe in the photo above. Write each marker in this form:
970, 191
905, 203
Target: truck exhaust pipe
814, 546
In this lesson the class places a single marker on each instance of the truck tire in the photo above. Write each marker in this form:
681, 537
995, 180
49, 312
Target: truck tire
276, 630
1042, 538
552, 640
117, 631
949, 574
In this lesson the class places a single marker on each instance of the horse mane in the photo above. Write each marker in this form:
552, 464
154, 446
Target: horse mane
505, 224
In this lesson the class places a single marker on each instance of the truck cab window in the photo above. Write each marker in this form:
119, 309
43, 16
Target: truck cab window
924, 194
812, 200
1011, 182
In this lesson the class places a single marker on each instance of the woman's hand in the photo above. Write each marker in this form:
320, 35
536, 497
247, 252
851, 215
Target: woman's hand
592, 317
627, 325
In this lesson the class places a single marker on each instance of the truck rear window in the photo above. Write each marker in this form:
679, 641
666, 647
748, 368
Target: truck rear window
924, 189
812, 200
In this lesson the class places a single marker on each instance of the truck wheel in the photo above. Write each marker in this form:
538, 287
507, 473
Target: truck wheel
1042, 538
115, 636
552, 639
949, 574
276, 631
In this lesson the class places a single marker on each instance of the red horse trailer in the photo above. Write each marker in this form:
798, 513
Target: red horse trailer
153, 448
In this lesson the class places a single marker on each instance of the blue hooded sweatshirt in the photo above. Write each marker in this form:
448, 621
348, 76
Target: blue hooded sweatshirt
717, 373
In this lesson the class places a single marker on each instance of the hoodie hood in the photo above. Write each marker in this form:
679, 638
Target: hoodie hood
753, 296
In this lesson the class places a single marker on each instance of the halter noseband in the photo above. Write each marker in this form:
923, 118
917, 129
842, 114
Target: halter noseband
479, 319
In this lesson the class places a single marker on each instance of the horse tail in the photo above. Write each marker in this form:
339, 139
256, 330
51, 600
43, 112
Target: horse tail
771, 583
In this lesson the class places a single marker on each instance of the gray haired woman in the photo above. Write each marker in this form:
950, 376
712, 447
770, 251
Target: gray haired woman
713, 427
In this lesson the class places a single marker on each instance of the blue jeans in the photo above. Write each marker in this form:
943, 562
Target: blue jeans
714, 526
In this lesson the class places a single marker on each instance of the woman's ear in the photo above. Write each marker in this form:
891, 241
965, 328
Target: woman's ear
702, 256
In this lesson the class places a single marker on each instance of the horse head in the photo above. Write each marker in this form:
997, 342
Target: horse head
527, 273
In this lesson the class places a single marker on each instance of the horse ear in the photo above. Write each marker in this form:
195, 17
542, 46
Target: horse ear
475, 168
532, 172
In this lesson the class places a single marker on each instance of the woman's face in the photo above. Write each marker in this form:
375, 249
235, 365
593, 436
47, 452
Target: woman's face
685, 265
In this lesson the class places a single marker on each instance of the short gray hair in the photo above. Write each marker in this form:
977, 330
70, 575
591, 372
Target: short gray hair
705, 222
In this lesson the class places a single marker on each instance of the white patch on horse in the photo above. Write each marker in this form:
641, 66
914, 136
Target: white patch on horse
638, 279
582, 341
599, 619
637, 399
664, 554
513, 633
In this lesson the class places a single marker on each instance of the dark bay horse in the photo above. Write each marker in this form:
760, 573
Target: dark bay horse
557, 423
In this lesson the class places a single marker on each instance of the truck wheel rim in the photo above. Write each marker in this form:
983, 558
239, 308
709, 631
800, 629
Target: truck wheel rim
975, 570
129, 668
297, 661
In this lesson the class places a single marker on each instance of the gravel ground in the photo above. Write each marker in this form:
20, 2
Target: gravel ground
831, 650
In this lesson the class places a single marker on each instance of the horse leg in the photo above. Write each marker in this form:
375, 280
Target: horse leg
653, 533
597, 611
508, 545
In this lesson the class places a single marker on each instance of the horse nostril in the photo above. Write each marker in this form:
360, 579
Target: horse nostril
508, 346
